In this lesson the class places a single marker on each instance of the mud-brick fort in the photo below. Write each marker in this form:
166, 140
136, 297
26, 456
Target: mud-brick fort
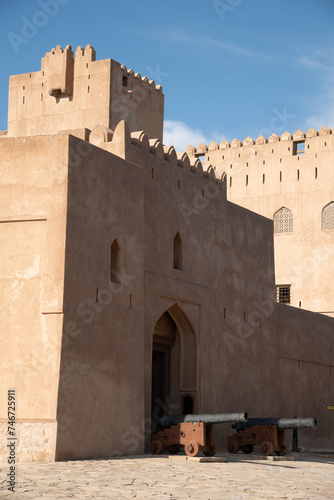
137, 281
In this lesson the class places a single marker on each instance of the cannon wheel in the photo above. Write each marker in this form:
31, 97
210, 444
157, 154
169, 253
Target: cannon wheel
247, 448
211, 452
156, 447
266, 448
233, 447
283, 451
174, 449
192, 448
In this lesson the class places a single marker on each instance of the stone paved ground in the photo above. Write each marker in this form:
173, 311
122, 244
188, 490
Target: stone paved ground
162, 478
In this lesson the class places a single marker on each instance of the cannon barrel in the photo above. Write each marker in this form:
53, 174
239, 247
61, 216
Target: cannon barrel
281, 423
217, 418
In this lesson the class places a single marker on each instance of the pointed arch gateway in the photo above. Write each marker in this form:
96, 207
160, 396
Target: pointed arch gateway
174, 376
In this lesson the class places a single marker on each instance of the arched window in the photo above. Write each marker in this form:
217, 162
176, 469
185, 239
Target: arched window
178, 252
327, 219
115, 262
283, 221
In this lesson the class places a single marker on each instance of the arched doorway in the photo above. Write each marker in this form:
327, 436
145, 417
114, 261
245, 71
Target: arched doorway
174, 377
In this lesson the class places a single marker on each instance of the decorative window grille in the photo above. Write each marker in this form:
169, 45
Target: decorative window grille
283, 221
283, 294
328, 217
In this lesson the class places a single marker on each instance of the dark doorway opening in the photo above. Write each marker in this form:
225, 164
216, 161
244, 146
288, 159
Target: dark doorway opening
159, 383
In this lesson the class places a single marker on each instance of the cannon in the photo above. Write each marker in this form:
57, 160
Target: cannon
268, 433
194, 432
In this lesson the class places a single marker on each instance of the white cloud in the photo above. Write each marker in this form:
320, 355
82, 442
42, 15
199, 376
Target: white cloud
178, 37
180, 135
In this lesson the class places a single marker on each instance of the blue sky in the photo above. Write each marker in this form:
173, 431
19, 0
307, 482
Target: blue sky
229, 68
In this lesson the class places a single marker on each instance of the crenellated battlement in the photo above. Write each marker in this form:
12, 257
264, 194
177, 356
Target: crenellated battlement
87, 53
147, 153
203, 149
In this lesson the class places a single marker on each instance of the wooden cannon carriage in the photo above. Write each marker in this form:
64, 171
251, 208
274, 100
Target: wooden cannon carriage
267, 433
194, 432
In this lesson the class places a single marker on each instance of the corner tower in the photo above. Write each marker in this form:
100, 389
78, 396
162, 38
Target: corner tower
71, 93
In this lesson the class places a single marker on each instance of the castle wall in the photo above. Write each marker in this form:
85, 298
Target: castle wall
32, 233
101, 388
266, 176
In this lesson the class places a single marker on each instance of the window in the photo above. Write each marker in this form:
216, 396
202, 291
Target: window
115, 259
283, 294
178, 252
328, 217
299, 147
283, 221
125, 81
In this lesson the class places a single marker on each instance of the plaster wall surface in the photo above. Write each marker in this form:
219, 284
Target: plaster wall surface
266, 176
32, 234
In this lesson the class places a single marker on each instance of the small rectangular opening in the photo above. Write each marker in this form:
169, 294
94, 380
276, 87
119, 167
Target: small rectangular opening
263, 178
298, 175
280, 176
246, 180
23, 100
224, 312
88, 89
152, 173
230, 181
315, 173
125, 81
41, 97
299, 147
